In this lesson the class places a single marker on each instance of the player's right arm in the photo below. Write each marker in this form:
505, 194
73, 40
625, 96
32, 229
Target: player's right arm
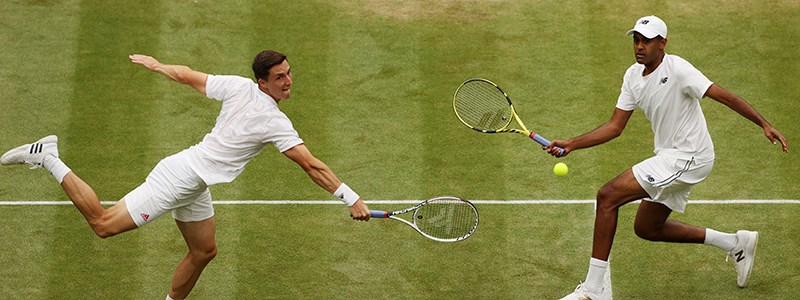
324, 177
606, 132
178, 73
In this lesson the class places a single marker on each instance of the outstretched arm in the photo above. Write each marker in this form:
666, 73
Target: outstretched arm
322, 175
179, 73
740, 106
606, 132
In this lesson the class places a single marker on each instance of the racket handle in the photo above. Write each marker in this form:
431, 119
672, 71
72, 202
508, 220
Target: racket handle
378, 214
544, 142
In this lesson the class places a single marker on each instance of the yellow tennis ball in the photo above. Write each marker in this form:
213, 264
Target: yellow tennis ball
560, 169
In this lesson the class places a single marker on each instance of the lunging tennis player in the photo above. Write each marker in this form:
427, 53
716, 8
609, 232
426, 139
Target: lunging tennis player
249, 121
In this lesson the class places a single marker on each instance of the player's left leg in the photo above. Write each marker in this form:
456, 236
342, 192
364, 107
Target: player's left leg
202, 245
195, 219
652, 224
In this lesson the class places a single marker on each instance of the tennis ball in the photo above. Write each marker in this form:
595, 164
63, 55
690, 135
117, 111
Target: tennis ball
560, 169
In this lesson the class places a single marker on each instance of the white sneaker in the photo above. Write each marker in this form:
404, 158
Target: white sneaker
745, 254
581, 293
32, 154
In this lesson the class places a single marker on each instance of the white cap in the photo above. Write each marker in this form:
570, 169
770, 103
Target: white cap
650, 27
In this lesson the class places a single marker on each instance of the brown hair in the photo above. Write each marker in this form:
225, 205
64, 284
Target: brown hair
265, 61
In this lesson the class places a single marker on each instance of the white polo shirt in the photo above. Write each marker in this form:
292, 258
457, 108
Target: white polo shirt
670, 99
248, 121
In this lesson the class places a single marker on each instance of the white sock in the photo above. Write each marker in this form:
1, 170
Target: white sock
169, 298
724, 241
594, 279
56, 167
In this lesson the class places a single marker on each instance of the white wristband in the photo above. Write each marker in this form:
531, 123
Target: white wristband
346, 194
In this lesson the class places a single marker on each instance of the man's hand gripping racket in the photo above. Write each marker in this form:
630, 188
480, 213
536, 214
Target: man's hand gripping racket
483, 106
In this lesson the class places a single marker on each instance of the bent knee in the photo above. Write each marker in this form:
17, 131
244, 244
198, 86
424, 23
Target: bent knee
606, 198
205, 254
107, 225
103, 233
647, 233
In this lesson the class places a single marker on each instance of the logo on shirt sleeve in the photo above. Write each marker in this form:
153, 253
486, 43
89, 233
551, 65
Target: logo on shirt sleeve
664, 80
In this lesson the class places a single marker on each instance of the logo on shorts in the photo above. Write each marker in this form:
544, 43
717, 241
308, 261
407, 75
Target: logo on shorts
145, 216
649, 179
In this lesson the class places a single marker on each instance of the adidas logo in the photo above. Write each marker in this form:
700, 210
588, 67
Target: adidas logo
145, 216
36, 148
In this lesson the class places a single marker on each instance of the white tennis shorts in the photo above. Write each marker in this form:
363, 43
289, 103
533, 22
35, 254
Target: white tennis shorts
669, 180
172, 185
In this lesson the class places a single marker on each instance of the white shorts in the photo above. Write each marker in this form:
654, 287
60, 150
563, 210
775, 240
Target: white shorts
172, 185
669, 180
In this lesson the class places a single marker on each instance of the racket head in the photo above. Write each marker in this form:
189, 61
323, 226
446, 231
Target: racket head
446, 219
482, 105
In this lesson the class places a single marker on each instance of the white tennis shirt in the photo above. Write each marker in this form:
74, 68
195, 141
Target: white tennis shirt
670, 99
248, 121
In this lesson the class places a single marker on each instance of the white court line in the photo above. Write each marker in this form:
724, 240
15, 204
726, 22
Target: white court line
487, 202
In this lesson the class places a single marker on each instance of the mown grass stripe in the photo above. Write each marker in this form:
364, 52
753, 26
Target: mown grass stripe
108, 119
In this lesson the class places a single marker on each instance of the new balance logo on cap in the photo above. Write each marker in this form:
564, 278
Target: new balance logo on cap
650, 27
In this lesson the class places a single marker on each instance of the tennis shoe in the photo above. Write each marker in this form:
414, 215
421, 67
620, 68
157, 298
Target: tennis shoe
582, 293
744, 254
32, 154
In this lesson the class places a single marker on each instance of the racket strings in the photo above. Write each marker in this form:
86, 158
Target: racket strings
482, 105
448, 219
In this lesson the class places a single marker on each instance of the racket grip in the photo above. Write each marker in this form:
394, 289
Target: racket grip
378, 214
544, 142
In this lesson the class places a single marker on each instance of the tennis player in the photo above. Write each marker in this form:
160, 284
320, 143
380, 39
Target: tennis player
667, 89
249, 121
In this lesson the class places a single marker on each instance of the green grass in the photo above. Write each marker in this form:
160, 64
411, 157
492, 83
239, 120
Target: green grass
518, 253
373, 83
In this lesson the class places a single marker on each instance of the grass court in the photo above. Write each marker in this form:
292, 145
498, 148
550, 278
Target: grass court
373, 84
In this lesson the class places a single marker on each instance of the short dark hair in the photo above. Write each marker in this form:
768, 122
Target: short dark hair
265, 61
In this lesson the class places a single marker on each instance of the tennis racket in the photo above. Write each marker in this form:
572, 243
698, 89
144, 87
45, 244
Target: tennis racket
483, 106
442, 219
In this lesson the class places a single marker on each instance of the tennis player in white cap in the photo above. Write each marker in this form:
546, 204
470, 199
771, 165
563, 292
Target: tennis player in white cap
668, 89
